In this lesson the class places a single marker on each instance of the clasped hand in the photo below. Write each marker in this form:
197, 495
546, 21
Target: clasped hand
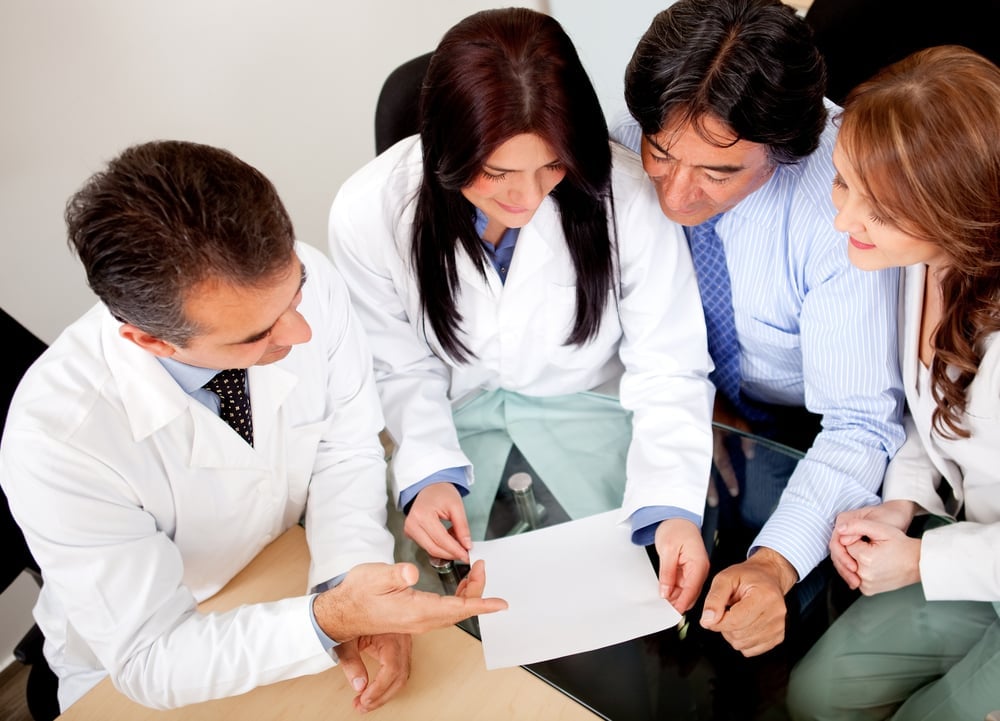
870, 548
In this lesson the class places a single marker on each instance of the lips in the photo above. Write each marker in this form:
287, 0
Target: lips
859, 245
512, 208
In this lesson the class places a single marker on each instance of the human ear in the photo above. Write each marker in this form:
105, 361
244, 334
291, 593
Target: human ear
146, 341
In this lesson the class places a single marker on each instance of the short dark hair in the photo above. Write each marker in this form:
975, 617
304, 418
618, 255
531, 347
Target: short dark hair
750, 63
165, 216
495, 75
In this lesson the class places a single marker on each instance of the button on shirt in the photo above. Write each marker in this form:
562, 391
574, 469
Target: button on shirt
816, 332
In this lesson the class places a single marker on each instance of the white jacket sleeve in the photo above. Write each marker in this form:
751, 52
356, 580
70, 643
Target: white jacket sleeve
368, 236
345, 512
664, 351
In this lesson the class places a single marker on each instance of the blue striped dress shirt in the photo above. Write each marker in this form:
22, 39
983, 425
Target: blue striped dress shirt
815, 332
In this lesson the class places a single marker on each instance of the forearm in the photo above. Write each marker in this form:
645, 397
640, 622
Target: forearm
835, 476
239, 650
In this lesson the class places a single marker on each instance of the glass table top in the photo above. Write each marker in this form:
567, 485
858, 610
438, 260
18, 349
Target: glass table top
683, 672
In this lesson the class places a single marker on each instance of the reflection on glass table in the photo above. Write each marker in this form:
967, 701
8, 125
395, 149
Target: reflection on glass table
683, 672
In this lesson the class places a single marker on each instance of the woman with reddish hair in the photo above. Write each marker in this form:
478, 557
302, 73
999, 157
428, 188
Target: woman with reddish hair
918, 186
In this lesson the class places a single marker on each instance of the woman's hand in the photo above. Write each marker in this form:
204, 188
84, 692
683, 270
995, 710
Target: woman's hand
436, 503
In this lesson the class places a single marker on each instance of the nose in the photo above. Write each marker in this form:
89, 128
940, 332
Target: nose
291, 329
528, 192
847, 220
677, 189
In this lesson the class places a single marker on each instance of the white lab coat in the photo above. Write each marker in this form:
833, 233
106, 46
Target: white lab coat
653, 327
959, 561
138, 502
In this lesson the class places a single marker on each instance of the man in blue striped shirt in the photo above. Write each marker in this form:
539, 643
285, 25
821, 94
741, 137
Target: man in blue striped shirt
726, 99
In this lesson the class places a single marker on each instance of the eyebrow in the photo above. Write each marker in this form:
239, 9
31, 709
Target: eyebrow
715, 168
264, 333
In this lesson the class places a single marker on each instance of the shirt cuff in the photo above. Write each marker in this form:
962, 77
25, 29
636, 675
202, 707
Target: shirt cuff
645, 521
454, 476
328, 643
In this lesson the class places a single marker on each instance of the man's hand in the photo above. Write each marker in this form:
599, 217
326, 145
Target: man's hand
376, 598
746, 602
725, 414
897, 514
436, 503
683, 562
392, 653
884, 557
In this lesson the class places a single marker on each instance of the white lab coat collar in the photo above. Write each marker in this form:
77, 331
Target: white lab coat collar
152, 400
533, 251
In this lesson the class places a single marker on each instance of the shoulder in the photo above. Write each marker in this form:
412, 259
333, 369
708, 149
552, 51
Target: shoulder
812, 177
69, 378
626, 167
625, 129
324, 291
394, 174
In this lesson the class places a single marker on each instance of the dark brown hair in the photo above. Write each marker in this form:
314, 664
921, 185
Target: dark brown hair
924, 139
165, 216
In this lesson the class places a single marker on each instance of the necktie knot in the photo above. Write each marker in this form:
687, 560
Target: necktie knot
234, 403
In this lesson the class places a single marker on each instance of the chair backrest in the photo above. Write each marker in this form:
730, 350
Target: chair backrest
860, 37
397, 110
23, 347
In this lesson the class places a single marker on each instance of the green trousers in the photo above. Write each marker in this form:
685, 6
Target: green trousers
896, 655
577, 444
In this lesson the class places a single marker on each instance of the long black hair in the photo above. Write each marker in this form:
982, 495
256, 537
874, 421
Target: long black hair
495, 75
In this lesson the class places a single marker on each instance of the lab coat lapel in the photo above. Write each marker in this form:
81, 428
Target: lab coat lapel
150, 397
914, 279
911, 309
537, 244
215, 445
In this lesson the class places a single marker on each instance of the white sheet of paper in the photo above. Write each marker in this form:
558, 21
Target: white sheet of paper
570, 588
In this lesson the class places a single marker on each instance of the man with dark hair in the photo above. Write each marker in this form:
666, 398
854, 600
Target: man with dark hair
727, 106
182, 424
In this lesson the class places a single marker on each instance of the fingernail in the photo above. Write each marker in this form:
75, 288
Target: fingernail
664, 591
734, 491
713, 501
708, 616
358, 684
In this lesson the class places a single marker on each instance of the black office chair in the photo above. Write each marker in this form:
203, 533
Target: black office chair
22, 350
397, 110
860, 37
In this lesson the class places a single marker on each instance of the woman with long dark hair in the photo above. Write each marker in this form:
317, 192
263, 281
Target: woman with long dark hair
516, 278
918, 186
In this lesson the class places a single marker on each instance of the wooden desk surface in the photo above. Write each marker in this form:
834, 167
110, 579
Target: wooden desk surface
449, 679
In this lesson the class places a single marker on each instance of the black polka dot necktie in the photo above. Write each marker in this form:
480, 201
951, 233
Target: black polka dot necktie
234, 403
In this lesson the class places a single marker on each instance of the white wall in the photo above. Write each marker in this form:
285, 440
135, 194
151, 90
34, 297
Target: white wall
605, 33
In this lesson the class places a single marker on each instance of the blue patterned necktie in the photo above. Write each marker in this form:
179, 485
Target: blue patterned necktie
234, 403
717, 301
